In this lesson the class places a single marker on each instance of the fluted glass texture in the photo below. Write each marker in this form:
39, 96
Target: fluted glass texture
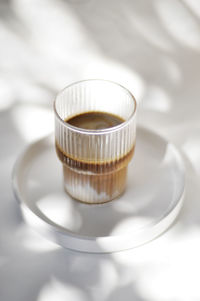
95, 161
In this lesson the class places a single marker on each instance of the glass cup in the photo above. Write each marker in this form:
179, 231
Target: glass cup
95, 161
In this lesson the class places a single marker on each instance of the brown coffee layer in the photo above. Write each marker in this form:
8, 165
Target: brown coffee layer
95, 167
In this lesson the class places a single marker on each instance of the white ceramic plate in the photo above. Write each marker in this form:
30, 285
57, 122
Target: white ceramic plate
150, 204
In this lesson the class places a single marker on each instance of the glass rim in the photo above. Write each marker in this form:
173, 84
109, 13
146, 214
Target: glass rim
99, 131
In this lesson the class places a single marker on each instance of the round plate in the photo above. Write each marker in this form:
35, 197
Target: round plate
148, 207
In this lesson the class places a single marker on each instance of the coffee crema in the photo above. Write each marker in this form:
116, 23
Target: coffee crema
94, 120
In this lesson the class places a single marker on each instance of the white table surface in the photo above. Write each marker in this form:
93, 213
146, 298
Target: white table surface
151, 47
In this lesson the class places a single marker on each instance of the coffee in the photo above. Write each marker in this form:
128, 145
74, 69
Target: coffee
94, 120
104, 178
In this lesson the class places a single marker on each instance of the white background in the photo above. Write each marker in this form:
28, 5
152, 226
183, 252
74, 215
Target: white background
152, 48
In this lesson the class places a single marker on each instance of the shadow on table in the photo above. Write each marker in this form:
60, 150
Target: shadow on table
164, 54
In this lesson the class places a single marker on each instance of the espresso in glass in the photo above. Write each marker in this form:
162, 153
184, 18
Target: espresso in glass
94, 120
95, 146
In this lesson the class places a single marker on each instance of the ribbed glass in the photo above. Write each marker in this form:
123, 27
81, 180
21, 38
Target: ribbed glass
95, 161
